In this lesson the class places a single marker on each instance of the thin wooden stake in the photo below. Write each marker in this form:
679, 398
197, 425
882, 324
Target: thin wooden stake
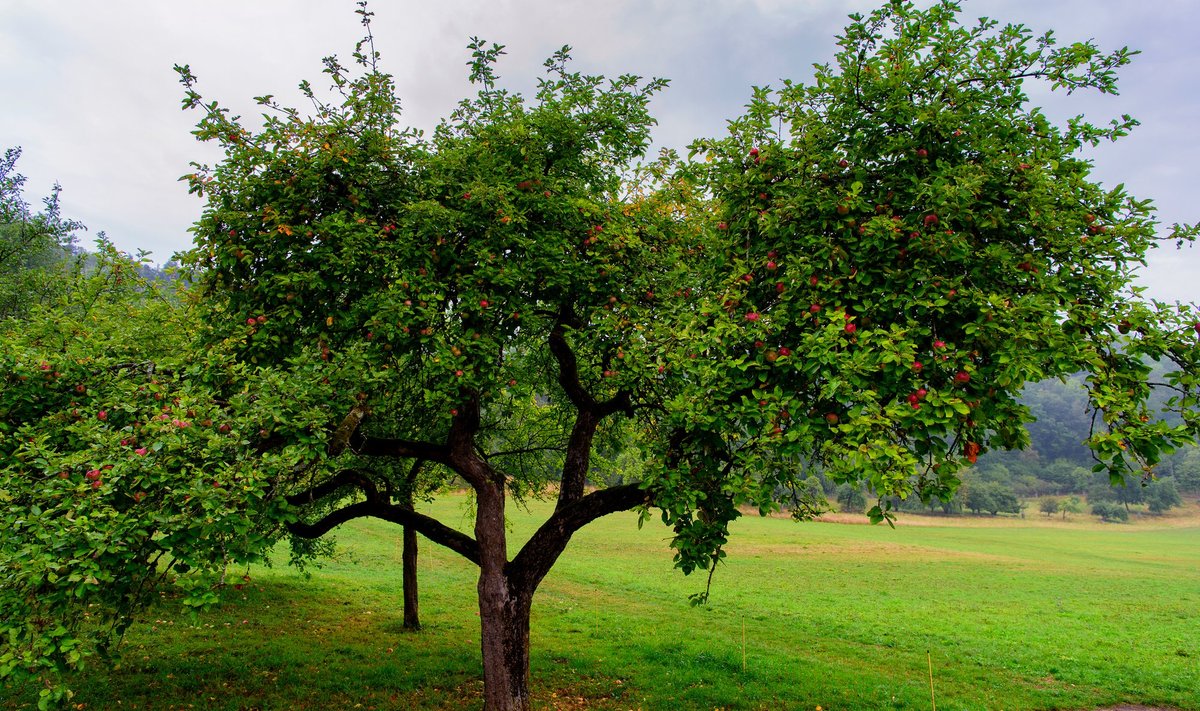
932, 700
743, 645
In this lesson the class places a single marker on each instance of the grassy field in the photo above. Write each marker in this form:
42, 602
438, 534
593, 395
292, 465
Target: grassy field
1034, 614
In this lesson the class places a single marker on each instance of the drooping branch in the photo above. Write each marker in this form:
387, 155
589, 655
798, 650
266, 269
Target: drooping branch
427, 526
348, 477
402, 448
539, 554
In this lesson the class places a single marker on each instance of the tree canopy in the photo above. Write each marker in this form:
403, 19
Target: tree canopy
860, 277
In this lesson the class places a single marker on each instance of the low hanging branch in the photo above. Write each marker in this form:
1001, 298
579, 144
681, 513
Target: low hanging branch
429, 527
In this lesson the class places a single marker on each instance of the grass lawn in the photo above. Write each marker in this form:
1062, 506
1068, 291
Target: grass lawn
1034, 614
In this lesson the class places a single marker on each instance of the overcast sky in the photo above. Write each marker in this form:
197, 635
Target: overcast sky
89, 93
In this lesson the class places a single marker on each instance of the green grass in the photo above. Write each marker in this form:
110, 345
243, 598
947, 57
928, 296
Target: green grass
1025, 615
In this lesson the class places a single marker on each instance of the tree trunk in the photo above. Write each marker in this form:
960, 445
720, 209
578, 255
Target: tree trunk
503, 612
412, 616
504, 621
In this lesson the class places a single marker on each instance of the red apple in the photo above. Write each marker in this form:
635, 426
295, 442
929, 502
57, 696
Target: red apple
752, 316
962, 376
931, 220
851, 328
102, 415
785, 351
832, 418
922, 153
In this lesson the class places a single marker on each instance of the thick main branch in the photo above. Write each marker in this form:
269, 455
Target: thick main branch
589, 413
541, 551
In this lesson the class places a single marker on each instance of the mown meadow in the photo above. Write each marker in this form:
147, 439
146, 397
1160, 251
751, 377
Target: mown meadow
1005, 614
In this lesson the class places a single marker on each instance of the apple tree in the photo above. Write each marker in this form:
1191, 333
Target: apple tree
506, 288
910, 241
859, 278
128, 458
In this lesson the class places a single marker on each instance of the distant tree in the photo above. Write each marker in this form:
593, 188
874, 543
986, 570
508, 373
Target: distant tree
1062, 421
1031, 487
1048, 506
1071, 504
35, 247
991, 497
1129, 493
851, 499
1162, 495
1066, 475
1110, 511
1184, 468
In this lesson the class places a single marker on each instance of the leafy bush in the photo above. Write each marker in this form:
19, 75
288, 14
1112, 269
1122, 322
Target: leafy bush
1110, 511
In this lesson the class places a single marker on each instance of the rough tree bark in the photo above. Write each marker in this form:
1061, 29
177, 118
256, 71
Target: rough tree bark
412, 614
